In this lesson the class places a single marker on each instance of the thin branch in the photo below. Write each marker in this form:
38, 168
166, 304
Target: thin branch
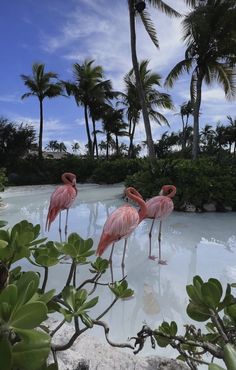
45, 278
53, 332
106, 331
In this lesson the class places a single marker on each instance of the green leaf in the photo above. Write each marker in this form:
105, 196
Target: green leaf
215, 367
211, 294
230, 356
9, 295
3, 244
28, 316
69, 294
27, 286
32, 351
162, 341
89, 304
86, 320
197, 313
5, 354
46, 297
3, 223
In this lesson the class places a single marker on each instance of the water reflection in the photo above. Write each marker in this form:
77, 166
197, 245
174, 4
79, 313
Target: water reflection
202, 244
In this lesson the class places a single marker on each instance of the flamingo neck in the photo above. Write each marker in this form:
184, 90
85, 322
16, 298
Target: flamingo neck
69, 179
173, 191
134, 195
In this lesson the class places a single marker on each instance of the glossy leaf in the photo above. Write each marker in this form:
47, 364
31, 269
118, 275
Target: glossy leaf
28, 316
5, 354
9, 295
197, 313
32, 351
211, 294
230, 356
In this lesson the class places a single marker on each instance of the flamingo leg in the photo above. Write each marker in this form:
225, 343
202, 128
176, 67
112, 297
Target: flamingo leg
110, 262
60, 227
67, 211
123, 258
160, 261
150, 242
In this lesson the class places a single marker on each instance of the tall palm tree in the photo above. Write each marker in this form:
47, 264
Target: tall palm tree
137, 8
75, 147
232, 133
153, 98
41, 84
209, 34
88, 88
113, 124
186, 110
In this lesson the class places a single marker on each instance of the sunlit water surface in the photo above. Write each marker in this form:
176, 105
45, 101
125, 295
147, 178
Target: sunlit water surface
202, 244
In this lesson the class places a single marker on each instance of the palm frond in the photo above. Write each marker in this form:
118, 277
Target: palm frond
165, 8
158, 118
226, 77
178, 69
149, 26
27, 95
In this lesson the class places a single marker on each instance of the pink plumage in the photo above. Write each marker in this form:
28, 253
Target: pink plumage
62, 198
159, 208
121, 223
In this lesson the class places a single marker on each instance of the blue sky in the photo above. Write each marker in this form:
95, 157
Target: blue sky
60, 33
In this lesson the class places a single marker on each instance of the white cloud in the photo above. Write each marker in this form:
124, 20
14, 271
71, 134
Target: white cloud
10, 98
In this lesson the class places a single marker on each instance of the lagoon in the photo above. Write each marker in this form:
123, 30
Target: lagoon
193, 244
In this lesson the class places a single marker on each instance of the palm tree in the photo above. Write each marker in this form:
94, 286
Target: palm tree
62, 147
75, 147
41, 85
137, 8
88, 88
113, 124
53, 145
232, 133
211, 53
207, 136
186, 110
154, 99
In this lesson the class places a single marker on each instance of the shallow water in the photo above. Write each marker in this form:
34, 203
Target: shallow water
202, 244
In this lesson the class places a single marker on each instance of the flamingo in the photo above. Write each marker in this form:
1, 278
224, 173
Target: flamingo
159, 208
121, 223
62, 198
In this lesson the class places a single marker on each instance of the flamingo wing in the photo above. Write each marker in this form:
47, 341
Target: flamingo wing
119, 225
62, 198
159, 207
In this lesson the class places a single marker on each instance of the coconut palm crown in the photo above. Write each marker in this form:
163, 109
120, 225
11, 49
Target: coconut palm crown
42, 86
209, 34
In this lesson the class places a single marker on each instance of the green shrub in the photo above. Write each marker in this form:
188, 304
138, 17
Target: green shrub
110, 172
198, 182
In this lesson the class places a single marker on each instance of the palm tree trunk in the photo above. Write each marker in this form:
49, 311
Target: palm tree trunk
117, 146
95, 143
141, 94
107, 150
131, 145
183, 134
196, 110
40, 152
87, 130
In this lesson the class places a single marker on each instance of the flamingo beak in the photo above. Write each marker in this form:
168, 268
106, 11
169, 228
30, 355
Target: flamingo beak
161, 192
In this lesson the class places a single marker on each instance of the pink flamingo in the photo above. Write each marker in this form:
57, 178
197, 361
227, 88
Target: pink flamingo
62, 198
121, 223
159, 208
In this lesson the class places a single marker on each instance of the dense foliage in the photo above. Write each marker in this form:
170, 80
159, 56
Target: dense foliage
26, 304
15, 141
200, 182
